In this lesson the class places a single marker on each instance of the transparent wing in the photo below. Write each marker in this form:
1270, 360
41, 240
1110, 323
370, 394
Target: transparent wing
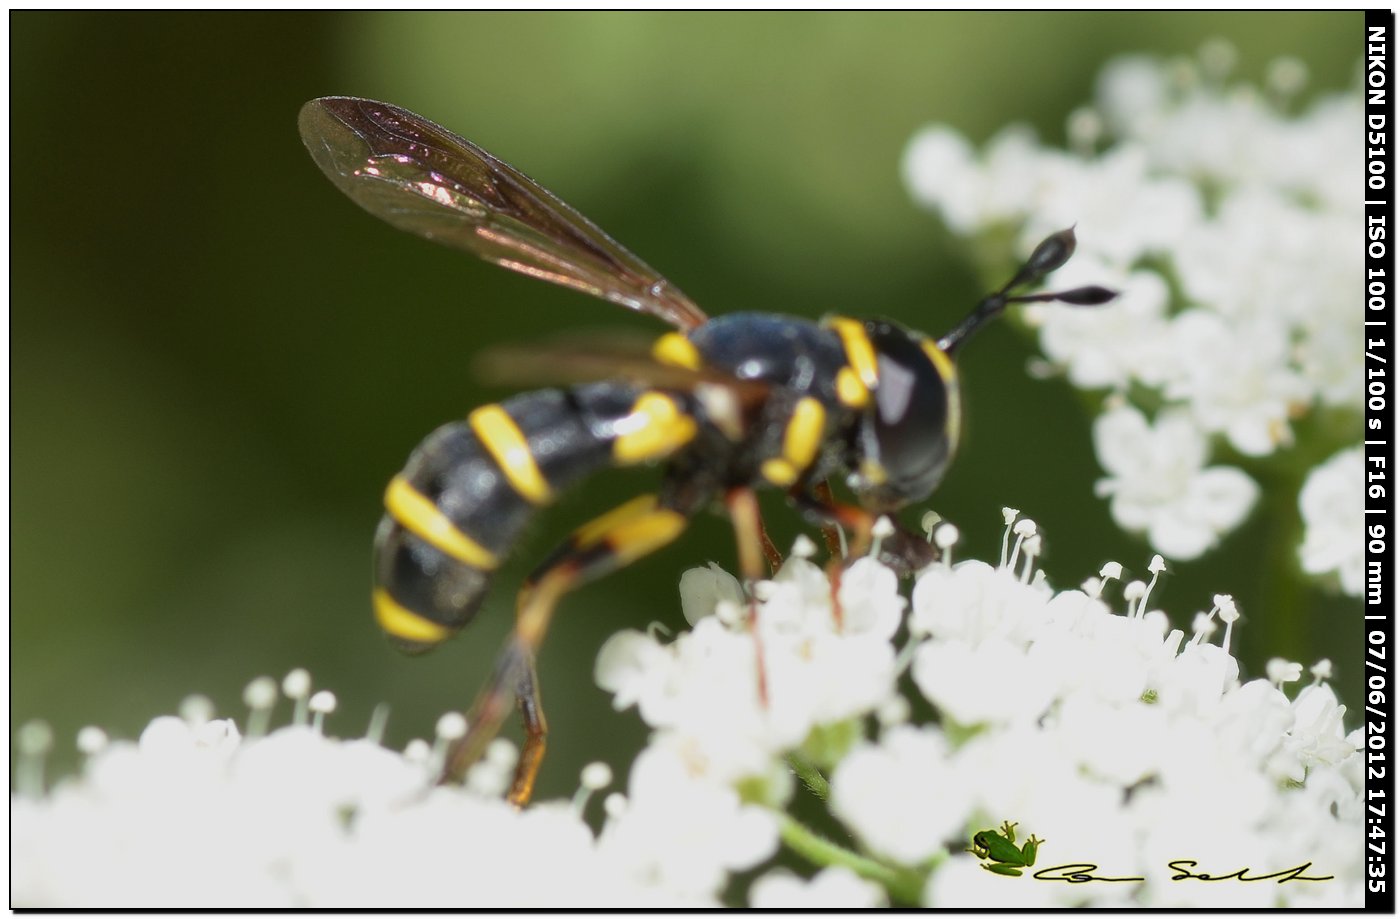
583, 358
423, 178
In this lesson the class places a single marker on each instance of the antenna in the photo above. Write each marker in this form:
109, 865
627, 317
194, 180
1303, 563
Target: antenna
1052, 252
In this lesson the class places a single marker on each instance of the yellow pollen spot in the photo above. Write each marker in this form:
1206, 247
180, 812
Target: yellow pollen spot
404, 623
655, 428
675, 349
415, 513
850, 390
504, 440
860, 353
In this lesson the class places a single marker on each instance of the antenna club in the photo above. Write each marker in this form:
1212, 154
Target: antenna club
1049, 255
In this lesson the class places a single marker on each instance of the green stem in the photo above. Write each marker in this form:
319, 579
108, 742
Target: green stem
904, 886
810, 775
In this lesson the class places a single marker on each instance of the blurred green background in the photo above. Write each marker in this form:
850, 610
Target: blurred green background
218, 361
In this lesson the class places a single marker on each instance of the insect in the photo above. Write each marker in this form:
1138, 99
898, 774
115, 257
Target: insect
728, 405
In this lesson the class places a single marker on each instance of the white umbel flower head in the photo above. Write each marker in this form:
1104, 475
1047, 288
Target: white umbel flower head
819, 668
1227, 219
900, 797
1086, 721
1158, 484
1332, 504
201, 816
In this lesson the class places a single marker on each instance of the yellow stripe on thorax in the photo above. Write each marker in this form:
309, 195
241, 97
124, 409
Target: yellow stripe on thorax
655, 428
803, 436
404, 623
850, 390
676, 350
860, 353
412, 510
802, 439
504, 440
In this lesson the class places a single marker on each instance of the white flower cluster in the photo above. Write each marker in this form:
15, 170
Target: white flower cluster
1229, 219
195, 814
1333, 515
699, 691
1115, 739
1119, 739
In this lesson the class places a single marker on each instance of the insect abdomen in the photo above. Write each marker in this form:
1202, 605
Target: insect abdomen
468, 490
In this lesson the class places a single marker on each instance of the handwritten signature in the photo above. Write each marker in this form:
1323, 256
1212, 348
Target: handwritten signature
1083, 873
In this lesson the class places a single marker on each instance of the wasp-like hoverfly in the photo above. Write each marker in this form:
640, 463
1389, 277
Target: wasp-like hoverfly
728, 405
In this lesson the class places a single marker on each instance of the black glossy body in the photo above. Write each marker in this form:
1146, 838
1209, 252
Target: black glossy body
900, 435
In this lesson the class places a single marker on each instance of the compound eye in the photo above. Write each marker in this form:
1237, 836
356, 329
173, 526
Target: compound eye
910, 416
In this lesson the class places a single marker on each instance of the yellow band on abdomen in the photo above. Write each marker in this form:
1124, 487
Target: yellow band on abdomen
404, 623
412, 510
506, 443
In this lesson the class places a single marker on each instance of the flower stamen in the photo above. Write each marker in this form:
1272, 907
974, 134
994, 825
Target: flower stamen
260, 695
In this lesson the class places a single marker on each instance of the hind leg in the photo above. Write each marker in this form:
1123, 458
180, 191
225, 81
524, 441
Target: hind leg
616, 539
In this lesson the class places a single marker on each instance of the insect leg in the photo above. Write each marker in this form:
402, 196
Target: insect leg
905, 551
742, 504
612, 541
819, 506
830, 534
527, 697
770, 551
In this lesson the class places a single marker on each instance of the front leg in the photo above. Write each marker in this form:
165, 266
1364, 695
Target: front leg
904, 551
821, 509
835, 540
817, 505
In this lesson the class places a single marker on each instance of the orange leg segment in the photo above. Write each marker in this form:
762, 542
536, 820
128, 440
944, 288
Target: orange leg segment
742, 504
635, 529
